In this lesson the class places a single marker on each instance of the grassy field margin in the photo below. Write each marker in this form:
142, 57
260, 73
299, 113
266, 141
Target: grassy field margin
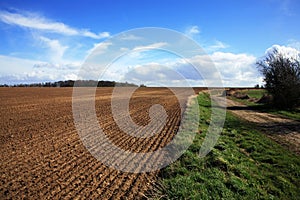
244, 164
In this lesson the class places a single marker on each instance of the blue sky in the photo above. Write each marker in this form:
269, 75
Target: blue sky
49, 40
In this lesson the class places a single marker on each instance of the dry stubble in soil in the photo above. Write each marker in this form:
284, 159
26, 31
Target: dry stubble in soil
42, 156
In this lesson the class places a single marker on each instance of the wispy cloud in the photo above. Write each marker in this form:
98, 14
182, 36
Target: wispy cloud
98, 48
37, 22
56, 49
218, 45
151, 46
130, 37
191, 31
94, 35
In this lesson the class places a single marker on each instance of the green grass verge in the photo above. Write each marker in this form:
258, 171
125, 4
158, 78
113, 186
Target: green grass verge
257, 94
292, 114
244, 164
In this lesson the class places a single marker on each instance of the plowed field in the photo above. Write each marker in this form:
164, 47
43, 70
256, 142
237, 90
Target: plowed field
42, 156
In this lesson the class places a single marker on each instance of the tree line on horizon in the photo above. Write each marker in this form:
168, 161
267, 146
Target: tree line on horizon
79, 83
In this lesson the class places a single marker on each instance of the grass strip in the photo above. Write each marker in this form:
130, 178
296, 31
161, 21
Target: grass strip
244, 164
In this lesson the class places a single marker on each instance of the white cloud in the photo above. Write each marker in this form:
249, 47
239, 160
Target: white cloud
124, 49
34, 21
16, 70
94, 35
38, 75
193, 30
215, 46
129, 37
236, 69
13, 65
233, 69
37, 22
205, 69
71, 76
46, 65
155, 74
151, 46
56, 50
285, 51
98, 48
218, 45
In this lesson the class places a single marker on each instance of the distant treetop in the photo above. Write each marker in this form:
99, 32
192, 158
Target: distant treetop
79, 83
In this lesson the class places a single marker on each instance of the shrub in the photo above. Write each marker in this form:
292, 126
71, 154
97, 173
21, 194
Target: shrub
282, 78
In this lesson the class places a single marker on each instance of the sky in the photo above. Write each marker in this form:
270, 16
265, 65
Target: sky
44, 41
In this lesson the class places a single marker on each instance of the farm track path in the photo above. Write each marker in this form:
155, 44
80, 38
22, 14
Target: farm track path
284, 131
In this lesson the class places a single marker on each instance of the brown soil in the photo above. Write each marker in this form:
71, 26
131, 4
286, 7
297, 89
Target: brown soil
42, 156
283, 130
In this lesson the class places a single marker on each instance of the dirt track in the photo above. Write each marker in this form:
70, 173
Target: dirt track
42, 156
282, 130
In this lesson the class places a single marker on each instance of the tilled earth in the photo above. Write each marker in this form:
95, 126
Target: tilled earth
42, 156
